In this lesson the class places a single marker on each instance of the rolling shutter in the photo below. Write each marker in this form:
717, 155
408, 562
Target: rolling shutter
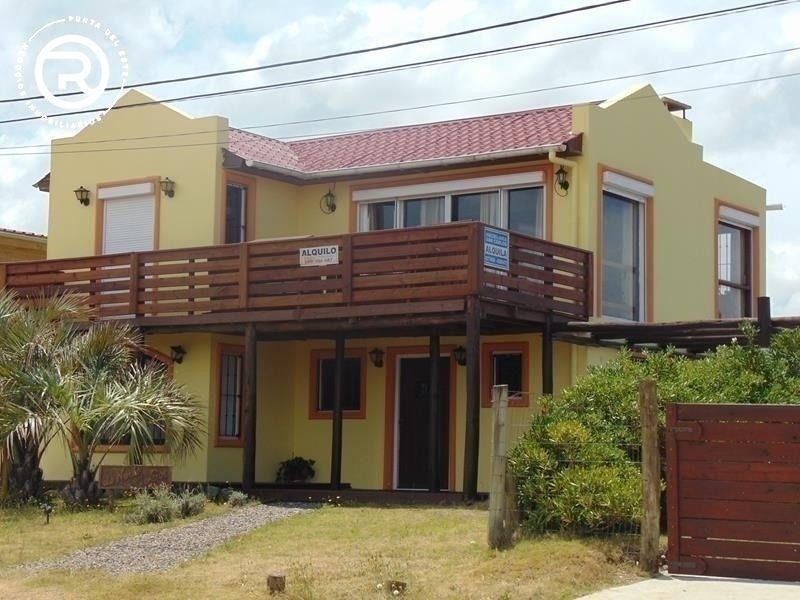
128, 218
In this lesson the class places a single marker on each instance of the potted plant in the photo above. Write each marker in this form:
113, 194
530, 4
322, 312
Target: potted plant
295, 470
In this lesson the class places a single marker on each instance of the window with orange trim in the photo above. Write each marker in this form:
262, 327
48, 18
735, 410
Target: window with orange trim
506, 363
158, 360
229, 396
322, 384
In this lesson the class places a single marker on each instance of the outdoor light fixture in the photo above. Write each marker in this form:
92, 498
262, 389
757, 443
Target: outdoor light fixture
460, 355
376, 357
561, 181
82, 194
168, 187
327, 203
177, 353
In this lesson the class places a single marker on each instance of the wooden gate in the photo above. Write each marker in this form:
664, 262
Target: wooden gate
733, 490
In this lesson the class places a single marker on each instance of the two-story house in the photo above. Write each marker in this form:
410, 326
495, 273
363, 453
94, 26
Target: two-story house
352, 298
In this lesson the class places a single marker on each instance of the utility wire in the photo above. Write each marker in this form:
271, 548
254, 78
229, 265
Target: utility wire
425, 106
302, 61
418, 64
198, 144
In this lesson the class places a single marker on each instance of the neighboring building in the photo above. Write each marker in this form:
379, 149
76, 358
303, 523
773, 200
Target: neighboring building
255, 264
21, 245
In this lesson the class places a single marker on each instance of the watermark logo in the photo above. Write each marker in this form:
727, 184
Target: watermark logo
67, 66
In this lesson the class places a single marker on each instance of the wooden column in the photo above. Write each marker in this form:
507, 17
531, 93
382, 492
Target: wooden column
764, 322
472, 433
434, 485
336, 421
249, 400
547, 355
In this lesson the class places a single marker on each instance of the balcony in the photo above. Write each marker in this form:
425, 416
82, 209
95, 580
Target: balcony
384, 280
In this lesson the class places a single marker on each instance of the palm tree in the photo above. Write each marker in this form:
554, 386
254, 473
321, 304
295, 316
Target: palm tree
85, 384
32, 336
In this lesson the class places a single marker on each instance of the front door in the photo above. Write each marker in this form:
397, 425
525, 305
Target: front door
413, 418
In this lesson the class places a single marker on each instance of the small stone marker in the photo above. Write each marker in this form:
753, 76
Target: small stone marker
395, 588
276, 583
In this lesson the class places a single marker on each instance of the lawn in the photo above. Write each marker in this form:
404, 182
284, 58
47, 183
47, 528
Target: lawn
334, 552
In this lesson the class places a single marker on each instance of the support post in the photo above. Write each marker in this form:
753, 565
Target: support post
336, 421
500, 525
764, 322
434, 458
249, 408
473, 413
651, 477
547, 355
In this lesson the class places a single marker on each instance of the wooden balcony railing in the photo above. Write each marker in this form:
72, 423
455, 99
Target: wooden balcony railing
381, 273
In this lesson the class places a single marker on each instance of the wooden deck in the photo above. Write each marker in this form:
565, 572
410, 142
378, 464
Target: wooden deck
399, 274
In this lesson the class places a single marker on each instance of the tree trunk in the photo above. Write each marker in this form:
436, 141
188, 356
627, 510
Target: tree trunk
82, 490
24, 475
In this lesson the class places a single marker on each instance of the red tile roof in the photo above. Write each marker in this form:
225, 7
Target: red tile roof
398, 146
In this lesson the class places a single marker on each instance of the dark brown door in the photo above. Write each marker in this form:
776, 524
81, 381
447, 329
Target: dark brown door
413, 420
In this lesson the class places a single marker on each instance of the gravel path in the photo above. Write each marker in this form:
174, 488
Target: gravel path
162, 550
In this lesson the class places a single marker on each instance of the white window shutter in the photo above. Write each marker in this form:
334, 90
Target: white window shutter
129, 224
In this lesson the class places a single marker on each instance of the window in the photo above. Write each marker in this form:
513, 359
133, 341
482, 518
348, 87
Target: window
154, 359
736, 231
505, 363
623, 257
229, 425
509, 201
323, 384
235, 213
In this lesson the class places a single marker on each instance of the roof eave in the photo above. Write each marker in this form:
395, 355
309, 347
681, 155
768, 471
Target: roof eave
404, 166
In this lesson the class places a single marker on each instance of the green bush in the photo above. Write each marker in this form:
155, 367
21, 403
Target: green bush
190, 503
156, 506
162, 505
577, 465
238, 498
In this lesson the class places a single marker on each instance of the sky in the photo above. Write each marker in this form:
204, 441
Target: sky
751, 129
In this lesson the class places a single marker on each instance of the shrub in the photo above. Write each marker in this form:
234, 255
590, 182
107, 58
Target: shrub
162, 505
156, 506
190, 503
238, 498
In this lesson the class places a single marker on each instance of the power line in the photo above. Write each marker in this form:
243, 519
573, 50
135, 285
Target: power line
199, 144
431, 105
418, 64
302, 61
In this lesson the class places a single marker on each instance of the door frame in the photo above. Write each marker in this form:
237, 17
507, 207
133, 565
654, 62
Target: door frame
393, 356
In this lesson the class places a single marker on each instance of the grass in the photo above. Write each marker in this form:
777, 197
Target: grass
341, 552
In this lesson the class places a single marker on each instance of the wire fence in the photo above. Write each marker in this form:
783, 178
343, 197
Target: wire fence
564, 484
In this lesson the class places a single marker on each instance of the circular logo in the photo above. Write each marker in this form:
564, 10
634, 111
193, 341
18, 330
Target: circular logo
66, 67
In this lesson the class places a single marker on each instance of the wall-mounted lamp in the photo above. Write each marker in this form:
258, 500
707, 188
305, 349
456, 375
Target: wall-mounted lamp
376, 357
561, 182
460, 355
168, 187
177, 353
82, 194
327, 203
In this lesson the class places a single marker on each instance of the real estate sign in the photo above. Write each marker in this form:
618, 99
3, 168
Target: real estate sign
319, 256
495, 249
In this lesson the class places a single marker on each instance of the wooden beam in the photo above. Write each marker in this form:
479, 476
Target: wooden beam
764, 322
336, 421
249, 401
434, 457
547, 356
473, 413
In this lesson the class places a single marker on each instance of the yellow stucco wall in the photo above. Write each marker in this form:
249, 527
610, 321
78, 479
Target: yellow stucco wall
632, 134
131, 144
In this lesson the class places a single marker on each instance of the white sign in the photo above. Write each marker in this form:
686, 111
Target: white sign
319, 255
495, 249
